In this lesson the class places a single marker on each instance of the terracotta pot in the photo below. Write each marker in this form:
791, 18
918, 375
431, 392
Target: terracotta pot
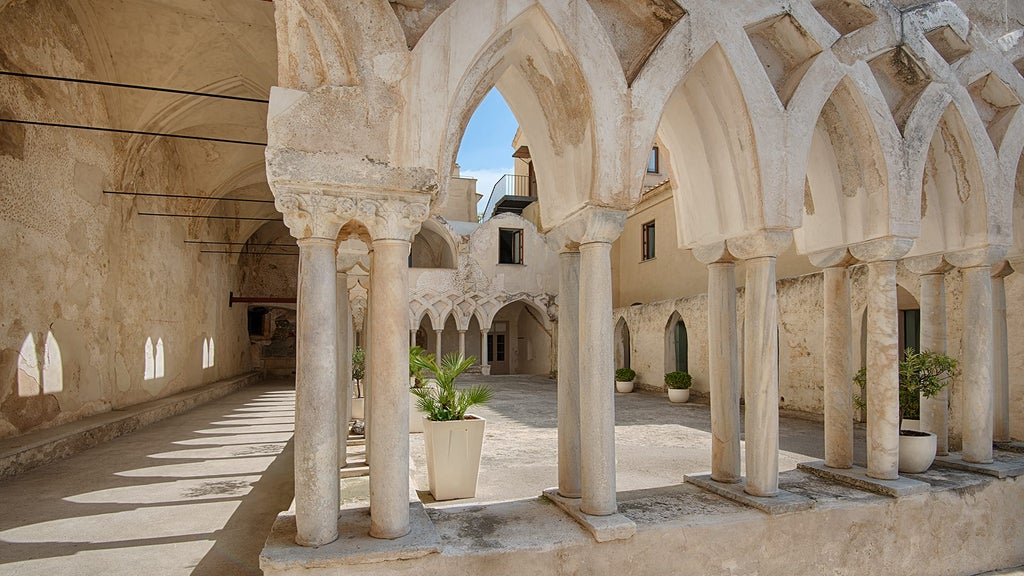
453, 456
624, 387
917, 452
678, 394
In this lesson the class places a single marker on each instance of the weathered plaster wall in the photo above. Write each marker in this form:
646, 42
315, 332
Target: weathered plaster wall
82, 266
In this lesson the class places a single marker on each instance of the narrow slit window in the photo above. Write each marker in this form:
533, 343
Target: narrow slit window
652, 162
647, 241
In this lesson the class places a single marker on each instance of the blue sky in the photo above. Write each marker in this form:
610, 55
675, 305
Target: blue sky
486, 150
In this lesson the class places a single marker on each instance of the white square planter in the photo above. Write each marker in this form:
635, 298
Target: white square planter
415, 416
453, 456
358, 411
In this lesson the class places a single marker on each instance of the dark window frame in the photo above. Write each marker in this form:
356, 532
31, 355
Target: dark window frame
648, 244
516, 256
654, 161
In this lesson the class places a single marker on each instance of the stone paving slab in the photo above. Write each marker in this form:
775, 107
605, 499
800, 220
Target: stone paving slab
858, 477
1004, 465
354, 544
28, 451
782, 503
602, 528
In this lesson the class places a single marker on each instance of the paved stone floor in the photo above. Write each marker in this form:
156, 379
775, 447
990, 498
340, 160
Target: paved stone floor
193, 494
197, 493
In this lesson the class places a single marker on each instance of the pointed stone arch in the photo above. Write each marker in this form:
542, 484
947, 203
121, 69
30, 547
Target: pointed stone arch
677, 339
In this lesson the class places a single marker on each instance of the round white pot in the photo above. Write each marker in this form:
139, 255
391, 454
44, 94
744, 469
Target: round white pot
917, 452
678, 394
624, 387
453, 456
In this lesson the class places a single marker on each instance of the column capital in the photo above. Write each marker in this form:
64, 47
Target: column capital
984, 256
760, 244
879, 249
311, 211
838, 258
1002, 269
713, 253
923, 265
592, 224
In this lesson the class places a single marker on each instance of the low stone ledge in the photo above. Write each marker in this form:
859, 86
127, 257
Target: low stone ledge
21, 453
858, 477
353, 546
782, 503
1004, 465
602, 528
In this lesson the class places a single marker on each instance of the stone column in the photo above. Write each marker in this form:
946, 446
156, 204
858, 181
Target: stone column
485, 369
760, 365
462, 343
317, 497
412, 337
723, 364
977, 365
838, 353
437, 347
597, 362
883, 411
344, 367
1000, 355
934, 410
569, 374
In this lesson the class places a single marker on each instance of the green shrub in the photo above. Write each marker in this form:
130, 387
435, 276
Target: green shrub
625, 375
922, 373
444, 402
678, 380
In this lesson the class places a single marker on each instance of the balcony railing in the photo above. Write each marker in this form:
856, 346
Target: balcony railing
511, 193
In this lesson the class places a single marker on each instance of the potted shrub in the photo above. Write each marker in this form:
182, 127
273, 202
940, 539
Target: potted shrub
922, 374
418, 368
358, 373
678, 384
453, 439
624, 380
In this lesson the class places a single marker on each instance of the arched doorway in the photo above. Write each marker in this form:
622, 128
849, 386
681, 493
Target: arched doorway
676, 345
622, 344
520, 340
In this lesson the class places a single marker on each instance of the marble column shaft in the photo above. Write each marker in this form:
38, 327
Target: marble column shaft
760, 368
389, 407
883, 372
723, 369
935, 410
344, 367
977, 365
317, 494
838, 369
1000, 356
437, 347
596, 369
483, 347
569, 375
462, 343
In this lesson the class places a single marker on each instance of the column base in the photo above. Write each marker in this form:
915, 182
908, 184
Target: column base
485, 370
602, 528
1008, 466
781, 503
858, 478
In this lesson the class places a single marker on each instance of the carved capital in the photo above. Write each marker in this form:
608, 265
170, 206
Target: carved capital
1001, 269
590, 225
838, 258
934, 264
977, 257
879, 249
311, 214
760, 244
392, 218
713, 253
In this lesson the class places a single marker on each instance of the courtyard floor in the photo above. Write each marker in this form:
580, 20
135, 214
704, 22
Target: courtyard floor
198, 493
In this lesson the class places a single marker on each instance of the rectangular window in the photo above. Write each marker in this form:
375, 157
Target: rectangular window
647, 241
652, 162
510, 246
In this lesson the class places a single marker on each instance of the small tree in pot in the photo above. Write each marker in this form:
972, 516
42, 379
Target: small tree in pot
453, 439
624, 379
922, 374
678, 384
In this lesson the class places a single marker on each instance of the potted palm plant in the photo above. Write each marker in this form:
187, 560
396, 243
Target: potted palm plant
922, 374
418, 368
358, 373
624, 380
453, 439
678, 384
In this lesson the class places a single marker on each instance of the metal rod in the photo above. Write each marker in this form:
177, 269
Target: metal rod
131, 86
249, 253
210, 217
238, 243
188, 197
254, 300
140, 132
